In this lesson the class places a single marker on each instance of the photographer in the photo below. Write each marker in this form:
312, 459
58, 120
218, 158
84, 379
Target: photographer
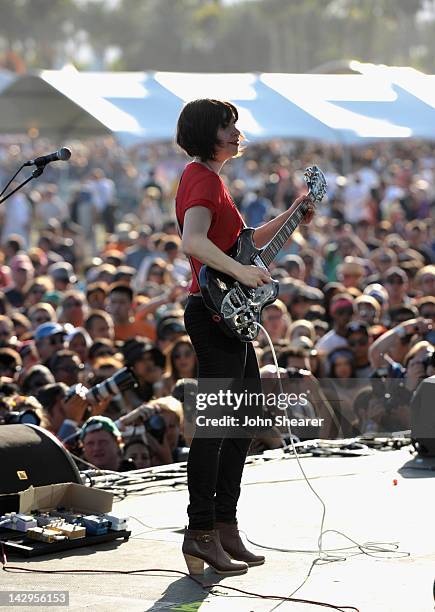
389, 405
419, 363
397, 341
295, 363
147, 421
147, 363
22, 409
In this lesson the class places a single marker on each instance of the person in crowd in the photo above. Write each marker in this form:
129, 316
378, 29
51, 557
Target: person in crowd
181, 363
341, 388
341, 311
396, 284
367, 309
138, 451
40, 313
36, 377
7, 332
102, 444
66, 367
276, 321
127, 325
49, 338
73, 308
147, 363
79, 341
359, 340
22, 272
52, 398
96, 295
99, 324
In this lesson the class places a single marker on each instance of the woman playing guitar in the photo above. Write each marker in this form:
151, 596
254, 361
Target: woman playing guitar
210, 224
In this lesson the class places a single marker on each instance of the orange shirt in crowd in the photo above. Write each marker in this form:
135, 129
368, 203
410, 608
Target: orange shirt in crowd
137, 326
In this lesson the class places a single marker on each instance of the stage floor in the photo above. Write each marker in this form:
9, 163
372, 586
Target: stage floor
277, 508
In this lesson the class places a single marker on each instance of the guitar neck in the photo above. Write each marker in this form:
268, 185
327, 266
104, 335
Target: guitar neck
274, 246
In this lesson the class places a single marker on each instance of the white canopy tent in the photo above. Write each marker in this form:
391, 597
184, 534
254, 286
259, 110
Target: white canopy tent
144, 106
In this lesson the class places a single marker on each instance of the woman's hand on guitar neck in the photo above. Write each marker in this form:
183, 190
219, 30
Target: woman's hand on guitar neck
311, 208
252, 276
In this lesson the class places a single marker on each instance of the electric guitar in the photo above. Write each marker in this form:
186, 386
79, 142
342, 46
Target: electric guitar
236, 307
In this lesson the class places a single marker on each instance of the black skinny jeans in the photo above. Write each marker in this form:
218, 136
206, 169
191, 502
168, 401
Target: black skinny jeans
215, 465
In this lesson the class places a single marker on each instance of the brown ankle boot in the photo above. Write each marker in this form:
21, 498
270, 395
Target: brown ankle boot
233, 545
204, 545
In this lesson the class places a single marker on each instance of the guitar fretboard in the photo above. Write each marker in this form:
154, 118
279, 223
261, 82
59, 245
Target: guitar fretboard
283, 234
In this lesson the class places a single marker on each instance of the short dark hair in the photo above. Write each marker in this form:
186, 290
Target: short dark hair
96, 314
49, 394
58, 358
290, 351
121, 287
198, 124
96, 287
101, 343
10, 359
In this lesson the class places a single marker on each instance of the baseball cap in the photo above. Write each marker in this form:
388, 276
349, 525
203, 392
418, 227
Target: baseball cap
340, 302
396, 271
48, 329
21, 262
52, 297
63, 271
377, 291
135, 349
98, 423
170, 326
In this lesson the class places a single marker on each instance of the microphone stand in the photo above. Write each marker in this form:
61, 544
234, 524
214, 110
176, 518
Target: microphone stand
37, 172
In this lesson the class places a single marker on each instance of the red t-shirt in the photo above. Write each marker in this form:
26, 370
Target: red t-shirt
200, 186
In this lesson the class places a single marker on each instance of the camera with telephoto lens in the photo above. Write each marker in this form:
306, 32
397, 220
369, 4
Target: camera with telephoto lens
155, 425
388, 384
122, 380
27, 416
429, 361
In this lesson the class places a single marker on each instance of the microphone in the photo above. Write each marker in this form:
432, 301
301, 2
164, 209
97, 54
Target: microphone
62, 155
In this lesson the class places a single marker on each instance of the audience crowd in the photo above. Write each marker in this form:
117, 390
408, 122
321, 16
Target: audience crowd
93, 280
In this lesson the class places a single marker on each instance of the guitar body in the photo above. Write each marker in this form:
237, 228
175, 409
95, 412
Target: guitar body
234, 305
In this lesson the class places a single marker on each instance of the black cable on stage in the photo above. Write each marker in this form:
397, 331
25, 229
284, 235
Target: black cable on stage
139, 572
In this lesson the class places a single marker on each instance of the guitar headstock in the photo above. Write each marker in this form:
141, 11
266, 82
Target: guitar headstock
316, 183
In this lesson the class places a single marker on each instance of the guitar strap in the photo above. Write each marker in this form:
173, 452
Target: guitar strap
216, 317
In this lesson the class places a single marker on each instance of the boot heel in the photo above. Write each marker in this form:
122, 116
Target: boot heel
194, 564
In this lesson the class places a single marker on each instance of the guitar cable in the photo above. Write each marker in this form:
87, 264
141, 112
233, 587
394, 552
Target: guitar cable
323, 556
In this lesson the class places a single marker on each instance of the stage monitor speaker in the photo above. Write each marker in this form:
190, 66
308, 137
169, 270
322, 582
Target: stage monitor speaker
31, 455
423, 418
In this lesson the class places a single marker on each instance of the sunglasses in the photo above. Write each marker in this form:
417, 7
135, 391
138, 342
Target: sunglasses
395, 281
103, 353
71, 368
157, 272
42, 320
56, 340
360, 342
274, 317
428, 314
343, 311
72, 304
181, 354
